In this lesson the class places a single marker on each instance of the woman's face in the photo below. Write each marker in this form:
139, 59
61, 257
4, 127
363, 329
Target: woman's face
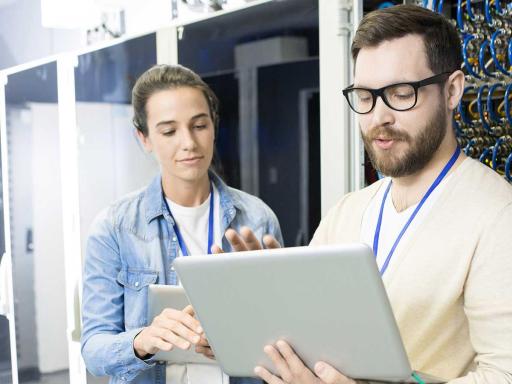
180, 133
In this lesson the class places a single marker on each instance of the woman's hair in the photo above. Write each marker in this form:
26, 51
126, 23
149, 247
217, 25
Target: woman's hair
162, 77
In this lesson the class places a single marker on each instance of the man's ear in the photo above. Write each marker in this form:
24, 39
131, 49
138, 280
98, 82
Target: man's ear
144, 139
455, 89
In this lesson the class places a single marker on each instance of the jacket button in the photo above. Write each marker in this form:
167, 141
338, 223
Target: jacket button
136, 283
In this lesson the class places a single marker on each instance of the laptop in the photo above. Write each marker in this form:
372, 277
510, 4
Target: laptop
170, 296
328, 303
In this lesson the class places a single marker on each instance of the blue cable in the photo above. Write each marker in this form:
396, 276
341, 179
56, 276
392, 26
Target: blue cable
469, 10
508, 166
488, 17
460, 20
495, 151
481, 59
386, 4
493, 52
481, 111
484, 155
440, 6
509, 51
499, 10
507, 103
490, 110
471, 143
463, 116
469, 67
458, 130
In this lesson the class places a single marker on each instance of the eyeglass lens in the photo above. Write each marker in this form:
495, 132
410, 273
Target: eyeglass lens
399, 97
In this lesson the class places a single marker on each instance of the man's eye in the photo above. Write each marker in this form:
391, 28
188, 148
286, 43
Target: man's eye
403, 96
169, 132
203, 126
364, 97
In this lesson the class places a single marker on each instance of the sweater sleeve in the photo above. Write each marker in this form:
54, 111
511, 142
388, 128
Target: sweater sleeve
488, 304
322, 233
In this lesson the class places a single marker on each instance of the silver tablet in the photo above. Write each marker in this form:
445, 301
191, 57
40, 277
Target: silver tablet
328, 302
170, 296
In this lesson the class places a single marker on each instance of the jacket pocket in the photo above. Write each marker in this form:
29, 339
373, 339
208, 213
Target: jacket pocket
135, 283
136, 279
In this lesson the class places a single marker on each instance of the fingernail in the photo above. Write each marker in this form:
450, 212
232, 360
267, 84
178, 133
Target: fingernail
196, 339
257, 370
319, 368
186, 345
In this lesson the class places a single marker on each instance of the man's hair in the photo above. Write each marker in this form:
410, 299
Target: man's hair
162, 77
442, 43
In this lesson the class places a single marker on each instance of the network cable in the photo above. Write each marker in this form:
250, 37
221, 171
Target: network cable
507, 103
493, 117
470, 10
460, 12
484, 157
440, 6
467, 60
481, 109
494, 53
508, 167
487, 11
481, 59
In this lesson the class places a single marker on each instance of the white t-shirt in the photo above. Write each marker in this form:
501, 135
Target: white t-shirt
193, 225
393, 221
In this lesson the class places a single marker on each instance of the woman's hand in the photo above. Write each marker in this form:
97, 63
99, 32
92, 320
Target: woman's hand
246, 240
291, 369
171, 328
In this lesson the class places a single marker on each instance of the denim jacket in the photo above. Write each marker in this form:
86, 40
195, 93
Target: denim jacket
132, 244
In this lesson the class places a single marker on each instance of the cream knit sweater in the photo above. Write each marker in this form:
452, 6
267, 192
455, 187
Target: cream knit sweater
450, 285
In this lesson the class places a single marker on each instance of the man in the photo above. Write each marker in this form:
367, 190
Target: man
439, 224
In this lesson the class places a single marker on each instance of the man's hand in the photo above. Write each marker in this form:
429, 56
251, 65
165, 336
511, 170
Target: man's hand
246, 241
292, 370
171, 328
203, 347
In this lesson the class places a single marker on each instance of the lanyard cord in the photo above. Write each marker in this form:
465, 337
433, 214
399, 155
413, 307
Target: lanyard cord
436, 182
181, 242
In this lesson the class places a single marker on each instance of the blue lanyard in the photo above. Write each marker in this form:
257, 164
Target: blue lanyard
436, 182
181, 242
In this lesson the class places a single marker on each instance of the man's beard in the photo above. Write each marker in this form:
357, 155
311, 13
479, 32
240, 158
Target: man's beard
420, 150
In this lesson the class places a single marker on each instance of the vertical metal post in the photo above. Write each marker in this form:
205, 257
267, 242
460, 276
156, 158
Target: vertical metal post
71, 212
335, 124
7, 226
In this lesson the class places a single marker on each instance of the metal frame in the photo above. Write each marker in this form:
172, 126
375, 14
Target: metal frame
304, 96
7, 227
68, 133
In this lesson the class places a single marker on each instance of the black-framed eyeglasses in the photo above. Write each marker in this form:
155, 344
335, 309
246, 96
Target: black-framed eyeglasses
399, 96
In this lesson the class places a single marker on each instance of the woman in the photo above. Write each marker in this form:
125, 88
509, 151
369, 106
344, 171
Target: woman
184, 211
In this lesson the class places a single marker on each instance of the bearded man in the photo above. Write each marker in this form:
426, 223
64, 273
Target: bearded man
439, 223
